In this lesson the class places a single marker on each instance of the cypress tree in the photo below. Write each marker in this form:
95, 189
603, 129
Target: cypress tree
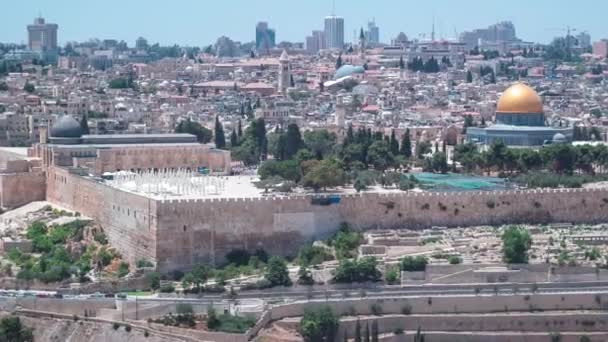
220, 139
293, 141
84, 124
366, 336
240, 130
406, 145
469, 76
350, 135
234, 140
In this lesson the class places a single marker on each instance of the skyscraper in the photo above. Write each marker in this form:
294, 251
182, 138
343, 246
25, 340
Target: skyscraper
42, 36
264, 37
373, 33
315, 42
334, 32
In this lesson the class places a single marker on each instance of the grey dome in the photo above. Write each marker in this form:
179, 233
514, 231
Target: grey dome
66, 127
348, 70
559, 138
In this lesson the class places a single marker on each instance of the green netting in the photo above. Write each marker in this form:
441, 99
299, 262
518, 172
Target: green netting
452, 181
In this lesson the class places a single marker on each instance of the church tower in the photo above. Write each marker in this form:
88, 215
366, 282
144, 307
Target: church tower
362, 45
284, 76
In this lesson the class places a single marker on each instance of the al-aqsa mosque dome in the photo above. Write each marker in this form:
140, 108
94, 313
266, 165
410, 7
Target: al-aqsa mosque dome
520, 121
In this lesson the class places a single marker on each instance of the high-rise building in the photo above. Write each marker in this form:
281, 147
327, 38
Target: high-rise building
584, 40
264, 37
373, 33
42, 36
315, 42
600, 48
334, 32
141, 43
500, 32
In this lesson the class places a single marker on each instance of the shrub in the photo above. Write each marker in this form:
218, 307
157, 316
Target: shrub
349, 271
406, 309
391, 276
127, 328
319, 325
398, 331
123, 269
167, 288
143, 263
115, 326
413, 264
153, 280
454, 260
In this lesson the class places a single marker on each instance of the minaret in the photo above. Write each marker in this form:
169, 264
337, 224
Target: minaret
284, 72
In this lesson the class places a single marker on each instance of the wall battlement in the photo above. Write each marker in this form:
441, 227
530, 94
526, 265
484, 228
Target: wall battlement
180, 233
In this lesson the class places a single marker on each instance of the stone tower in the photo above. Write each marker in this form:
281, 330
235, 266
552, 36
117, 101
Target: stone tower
362, 45
284, 76
340, 112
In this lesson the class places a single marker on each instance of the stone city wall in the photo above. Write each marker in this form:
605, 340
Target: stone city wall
17, 189
191, 231
127, 219
180, 233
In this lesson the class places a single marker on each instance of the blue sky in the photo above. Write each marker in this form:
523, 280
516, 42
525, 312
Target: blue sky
200, 22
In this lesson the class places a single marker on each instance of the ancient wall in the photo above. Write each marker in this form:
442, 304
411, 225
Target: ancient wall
127, 219
205, 230
160, 157
17, 189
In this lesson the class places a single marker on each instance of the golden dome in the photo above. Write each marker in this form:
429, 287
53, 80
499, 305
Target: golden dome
519, 99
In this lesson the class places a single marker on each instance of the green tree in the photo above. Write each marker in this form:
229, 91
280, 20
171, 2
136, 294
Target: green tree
319, 325
277, 273
321, 142
220, 139
153, 280
439, 163
339, 62
380, 156
419, 337
324, 174
366, 336
406, 145
12, 330
3, 86
469, 76
305, 276
28, 87
203, 135
401, 63
197, 277
293, 141
234, 139
286, 169
516, 242
84, 124
422, 148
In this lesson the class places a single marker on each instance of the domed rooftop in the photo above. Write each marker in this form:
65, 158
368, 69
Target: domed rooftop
66, 127
347, 70
519, 99
559, 138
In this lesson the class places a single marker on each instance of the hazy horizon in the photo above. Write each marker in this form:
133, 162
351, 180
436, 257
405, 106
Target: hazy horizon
196, 23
